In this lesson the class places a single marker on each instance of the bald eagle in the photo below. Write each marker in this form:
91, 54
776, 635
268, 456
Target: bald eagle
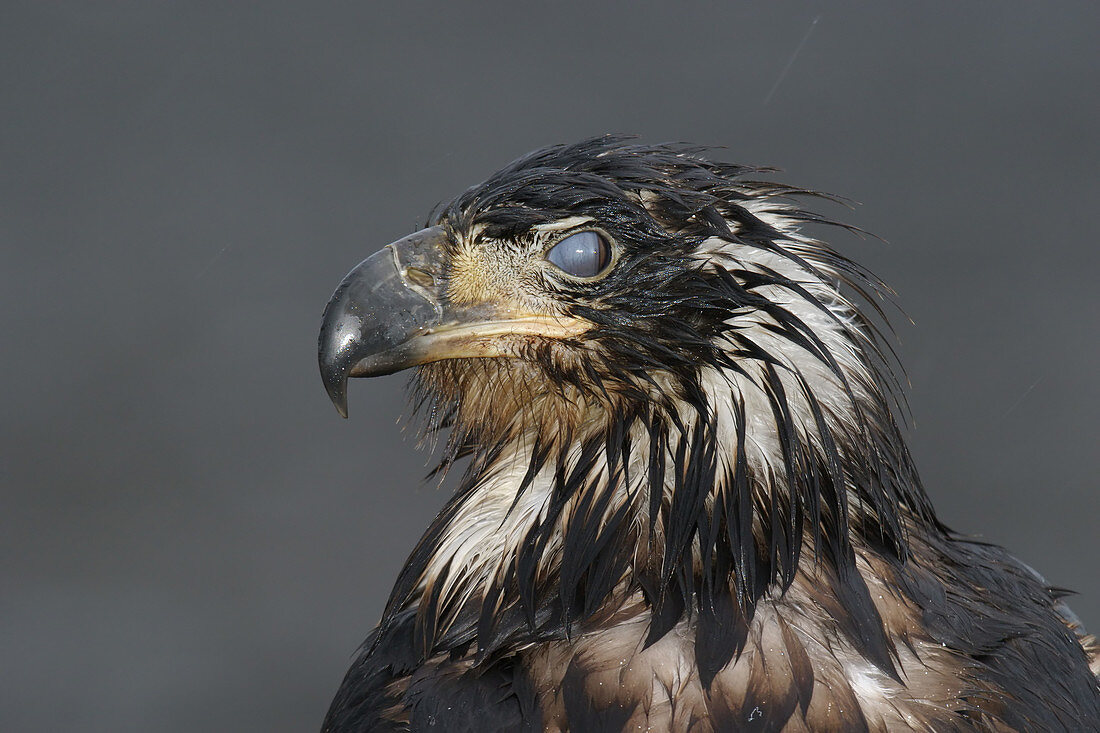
687, 504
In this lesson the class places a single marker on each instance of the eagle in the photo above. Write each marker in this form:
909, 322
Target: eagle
685, 501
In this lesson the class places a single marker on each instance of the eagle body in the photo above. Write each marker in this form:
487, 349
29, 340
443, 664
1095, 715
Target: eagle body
686, 503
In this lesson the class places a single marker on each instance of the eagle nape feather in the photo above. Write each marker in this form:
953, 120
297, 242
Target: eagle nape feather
687, 504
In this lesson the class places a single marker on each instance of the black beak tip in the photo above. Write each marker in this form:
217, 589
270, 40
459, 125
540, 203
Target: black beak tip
335, 377
334, 373
338, 393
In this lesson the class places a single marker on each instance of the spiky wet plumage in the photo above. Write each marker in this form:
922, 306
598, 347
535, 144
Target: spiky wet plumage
701, 514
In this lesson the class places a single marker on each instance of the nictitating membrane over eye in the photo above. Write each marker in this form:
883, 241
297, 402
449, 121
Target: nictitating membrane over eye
584, 254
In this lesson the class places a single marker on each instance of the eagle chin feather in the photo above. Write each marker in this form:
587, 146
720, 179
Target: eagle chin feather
700, 512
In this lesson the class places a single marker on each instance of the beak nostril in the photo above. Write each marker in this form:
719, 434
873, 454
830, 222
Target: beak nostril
423, 278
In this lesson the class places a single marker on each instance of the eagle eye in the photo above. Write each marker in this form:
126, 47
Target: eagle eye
584, 254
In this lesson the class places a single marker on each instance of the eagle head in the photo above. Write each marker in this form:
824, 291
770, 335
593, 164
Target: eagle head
573, 284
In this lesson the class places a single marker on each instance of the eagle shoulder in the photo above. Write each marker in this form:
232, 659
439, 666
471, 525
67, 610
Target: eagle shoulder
389, 689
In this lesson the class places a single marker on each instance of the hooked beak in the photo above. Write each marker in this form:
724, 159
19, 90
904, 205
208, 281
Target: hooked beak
390, 313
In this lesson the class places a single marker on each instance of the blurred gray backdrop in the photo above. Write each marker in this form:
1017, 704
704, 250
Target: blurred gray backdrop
190, 537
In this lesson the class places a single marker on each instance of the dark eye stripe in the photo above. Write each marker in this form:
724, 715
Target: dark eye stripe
584, 254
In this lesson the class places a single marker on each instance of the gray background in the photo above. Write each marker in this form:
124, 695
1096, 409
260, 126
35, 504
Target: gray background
191, 539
